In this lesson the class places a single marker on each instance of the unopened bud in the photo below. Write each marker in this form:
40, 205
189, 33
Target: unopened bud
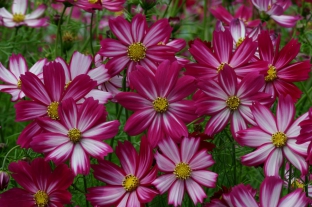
4, 180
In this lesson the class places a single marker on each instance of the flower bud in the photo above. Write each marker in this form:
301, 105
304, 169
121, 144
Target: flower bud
4, 180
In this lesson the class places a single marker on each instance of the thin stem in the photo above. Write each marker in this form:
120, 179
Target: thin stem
289, 177
91, 27
76, 188
205, 21
306, 92
59, 33
282, 171
199, 118
303, 96
7, 155
306, 185
166, 9
234, 160
85, 187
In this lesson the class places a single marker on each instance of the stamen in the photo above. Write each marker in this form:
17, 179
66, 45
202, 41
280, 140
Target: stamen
233, 102
18, 17
92, 1
136, 51
182, 171
160, 104
74, 135
19, 84
130, 183
271, 74
279, 139
220, 67
52, 110
41, 198
239, 41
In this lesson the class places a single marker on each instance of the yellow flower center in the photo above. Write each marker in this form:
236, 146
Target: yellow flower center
41, 198
19, 84
220, 67
74, 135
18, 17
239, 41
136, 51
233, 102
160, 104
92, 1
130, 183
67, 84
182, 171
271, 74
279, 139
297, 184
68, 37
52, 110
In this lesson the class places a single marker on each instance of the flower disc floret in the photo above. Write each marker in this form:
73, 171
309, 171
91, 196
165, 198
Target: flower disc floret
41, 198
239, 41
279, 139
92, 1
18, 17
74, 135
233, 102
136, 51
130, 183
52, 110
220, 67
182, 171
271, 74
19, 84
160, 104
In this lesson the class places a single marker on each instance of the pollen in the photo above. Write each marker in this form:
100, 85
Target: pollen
52, 110
297, 184
239, 41
130, 183
182, 171
233, 102
136, 51
18, 17
67, 84
160, 104
279, 139
220, 67
271, 74
92, 1
19, 84
74, 135
41, 198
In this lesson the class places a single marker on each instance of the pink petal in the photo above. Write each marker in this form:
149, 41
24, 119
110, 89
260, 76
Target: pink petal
285, 113
237, 123
95, 148
184, 110
176, 193
139, 121
28, 110
54, 80
228, 80
79, 161
128, 157
205, 178
250, 85
264, 118
19, 6
164, 163
133, 101
155, 131
286, 20
79, 64
51, 125
145, 195
292, 73
43, 22
37, 68
240, 196
243, 53
5, 14
25, 198
121, 29
217, 122
159, 31
270, 191
101, 96
189, 147
146, 158
184, 87
273, 162
223, 45
298, 161
68, 113
7, 76
17, 65
296, 198
36, 13
300, 149
108, 172
103, 131
65, 67
258, 156
170, 150
99, 74
60, 154
117, 64
133, 199
201, 160
164, 182
138, 27
196, 193
173, 126
105, 196
253, 137
28, 133
201, 72
213, 90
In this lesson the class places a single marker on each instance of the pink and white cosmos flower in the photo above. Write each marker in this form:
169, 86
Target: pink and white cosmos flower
137, 44
274, 138
229, 99
18, 67
128, 185
270, 191
78, 134
18, 17
159, 103
40, 185
185, 167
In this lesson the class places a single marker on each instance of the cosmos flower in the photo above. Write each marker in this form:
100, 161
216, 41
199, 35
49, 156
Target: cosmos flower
78, 134
229, 99
185, 167
274, 138
136, 44
159, 103
18, 17
270, 191
91, 5
4, 180
40, 185
18, 67
128, 185
280, 74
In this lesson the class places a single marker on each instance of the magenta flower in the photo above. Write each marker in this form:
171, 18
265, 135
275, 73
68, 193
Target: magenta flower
280, 75
275, 9
80, 64
270, 191
78, 135
46, 97
158, 104
137, 44
306, 135
210, 61
229, 99
128, 185
19, 16
18, 67
4, 180
91, 5
41, 186
185, 167
274, 138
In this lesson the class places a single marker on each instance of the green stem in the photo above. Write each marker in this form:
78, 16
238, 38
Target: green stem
199, 118
165, 13
234, 160
303, 96
205, 21
289, 177
306, 185
1, 134
7, 155
59, 33
306, 92
91, 27
85, 187
282, 171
